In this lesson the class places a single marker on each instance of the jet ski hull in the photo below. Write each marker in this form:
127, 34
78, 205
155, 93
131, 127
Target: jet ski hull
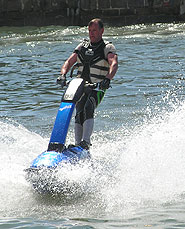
43, 171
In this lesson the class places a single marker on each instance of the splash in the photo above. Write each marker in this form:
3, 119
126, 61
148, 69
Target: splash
151, 166
17, 147
142, 168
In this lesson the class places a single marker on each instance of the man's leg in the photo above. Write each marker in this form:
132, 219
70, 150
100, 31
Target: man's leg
88, 115
86, 118
79, 119
78, 133
87, 130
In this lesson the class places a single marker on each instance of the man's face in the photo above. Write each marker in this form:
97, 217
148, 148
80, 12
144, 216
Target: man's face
95, 33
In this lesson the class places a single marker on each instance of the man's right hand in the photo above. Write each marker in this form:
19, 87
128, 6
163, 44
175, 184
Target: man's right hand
62, 80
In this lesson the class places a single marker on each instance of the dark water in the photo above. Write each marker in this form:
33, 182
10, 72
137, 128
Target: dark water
138, 141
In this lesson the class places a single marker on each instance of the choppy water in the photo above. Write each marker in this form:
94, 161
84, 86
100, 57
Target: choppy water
138, 141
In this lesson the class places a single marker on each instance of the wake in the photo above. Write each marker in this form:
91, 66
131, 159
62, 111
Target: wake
144, 168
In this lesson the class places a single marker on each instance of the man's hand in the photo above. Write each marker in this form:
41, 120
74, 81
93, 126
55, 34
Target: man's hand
105, 84
62, 80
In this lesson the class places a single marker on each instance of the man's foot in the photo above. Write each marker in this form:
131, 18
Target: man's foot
70, 146
84, 145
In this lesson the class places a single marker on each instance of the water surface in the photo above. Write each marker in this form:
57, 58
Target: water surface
138, 140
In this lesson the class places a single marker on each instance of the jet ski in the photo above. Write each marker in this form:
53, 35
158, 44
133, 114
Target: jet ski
42, 171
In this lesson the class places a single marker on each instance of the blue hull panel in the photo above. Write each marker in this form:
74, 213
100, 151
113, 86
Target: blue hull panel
43, 171
62, 122
52, 159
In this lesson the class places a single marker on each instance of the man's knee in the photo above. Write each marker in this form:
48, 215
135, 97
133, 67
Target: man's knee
79, 118
89, 110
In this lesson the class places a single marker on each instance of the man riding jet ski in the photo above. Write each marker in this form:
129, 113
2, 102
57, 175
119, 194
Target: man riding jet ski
97, 63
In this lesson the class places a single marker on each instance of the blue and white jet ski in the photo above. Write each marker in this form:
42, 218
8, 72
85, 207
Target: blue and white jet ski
41, 171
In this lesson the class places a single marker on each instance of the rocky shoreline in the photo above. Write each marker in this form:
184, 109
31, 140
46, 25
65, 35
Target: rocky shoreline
79, 12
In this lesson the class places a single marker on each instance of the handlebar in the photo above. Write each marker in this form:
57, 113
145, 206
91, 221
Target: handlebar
62, 80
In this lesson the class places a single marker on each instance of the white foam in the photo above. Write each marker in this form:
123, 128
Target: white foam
143, 168
151, 166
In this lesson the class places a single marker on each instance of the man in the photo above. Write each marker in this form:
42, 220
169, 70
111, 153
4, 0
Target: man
97, 63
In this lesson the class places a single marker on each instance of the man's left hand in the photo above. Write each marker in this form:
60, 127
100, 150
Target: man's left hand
105, 84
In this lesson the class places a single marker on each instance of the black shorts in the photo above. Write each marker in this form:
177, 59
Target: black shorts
86, 106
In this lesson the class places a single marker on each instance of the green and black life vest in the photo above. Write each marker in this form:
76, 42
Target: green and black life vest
92, 64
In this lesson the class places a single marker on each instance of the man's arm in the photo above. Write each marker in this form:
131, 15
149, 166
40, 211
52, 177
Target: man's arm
69, 63
113, 65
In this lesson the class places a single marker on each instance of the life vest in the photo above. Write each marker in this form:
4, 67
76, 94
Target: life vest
92, 64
